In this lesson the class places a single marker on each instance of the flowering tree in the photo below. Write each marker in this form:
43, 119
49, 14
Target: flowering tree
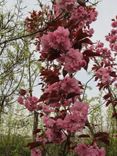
63, 37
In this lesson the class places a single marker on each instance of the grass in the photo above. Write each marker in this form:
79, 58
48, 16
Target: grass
14, 145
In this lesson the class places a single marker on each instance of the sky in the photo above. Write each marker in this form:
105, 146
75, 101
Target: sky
107, 9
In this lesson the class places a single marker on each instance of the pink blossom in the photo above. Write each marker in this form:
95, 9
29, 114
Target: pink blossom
60, 123
41, 139
114, 24
70, 85
52, 92
78, 106
83, 16
62, 38
105, 53
49, 122
66, 5
55, 135
112, 37
85, 150
73, 61
36, 152
58, 90
50, 135
57, 40
31, 103
104, 74
28, 105
47, 109
53, 130
20, 100
75, 121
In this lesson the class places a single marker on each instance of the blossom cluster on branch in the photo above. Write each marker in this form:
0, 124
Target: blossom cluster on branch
65, 47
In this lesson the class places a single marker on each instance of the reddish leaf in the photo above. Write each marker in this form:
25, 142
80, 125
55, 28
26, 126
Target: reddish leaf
50, 76
81, 35
53, 100
71, 95
87, 62
90, 53
36, 131
22, 92
78, 45
106, 96
33, 144
113, 74
86, 40
114, 115
53, 54
102, 136
43, 97
115, 102
108, 102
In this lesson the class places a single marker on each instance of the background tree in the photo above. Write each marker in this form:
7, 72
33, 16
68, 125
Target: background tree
19, 69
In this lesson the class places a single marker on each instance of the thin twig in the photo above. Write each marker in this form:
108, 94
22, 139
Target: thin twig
86, 87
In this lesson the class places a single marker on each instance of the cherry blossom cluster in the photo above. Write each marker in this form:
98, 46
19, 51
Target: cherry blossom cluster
57, 41
62, 90
85, 150
58, 45
75, 120
65, 47
36, 152
30, 102
104, 74
73, 60
104, 65
65, 5
79, 15
112, 36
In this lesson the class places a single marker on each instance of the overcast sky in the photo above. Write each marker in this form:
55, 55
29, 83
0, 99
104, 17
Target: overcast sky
107, 9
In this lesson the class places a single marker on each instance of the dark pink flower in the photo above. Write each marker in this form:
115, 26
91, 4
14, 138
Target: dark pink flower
75, 120
64, 5
58, 90
104, 75
49, 122
20, 100
73, 61
114, 24
36, 152
55, 135
31, 103
83, 16
85, 150
55, 42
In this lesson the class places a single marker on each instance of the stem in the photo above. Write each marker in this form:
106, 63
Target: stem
88, 124
112, 99
86, 87
35, 119
22, 36
90, 128
66, 146
35, 124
